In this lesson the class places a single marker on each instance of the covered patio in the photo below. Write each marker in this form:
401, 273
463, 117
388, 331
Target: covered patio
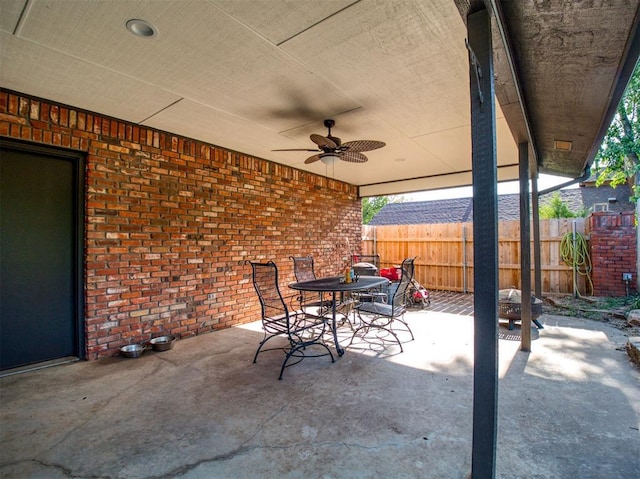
569, 408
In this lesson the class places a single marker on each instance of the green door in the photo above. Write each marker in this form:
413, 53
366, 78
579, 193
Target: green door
39, 294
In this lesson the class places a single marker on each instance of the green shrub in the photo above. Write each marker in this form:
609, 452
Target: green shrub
556, 208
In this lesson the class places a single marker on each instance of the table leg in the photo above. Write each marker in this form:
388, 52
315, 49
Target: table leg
334, 326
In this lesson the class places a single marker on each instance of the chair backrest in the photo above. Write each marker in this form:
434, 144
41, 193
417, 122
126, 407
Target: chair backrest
303, 268
275, 314
407, 275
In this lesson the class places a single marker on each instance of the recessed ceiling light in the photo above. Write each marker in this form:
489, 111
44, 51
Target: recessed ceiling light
141, 28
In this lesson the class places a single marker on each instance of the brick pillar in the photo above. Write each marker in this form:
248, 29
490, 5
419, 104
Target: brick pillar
613, 251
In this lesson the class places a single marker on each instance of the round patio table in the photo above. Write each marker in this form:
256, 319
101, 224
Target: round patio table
333, 285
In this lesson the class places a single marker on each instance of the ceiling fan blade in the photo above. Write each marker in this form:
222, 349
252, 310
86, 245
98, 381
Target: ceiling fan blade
363, 145
312, 159
297, 149
323, 142
353, 157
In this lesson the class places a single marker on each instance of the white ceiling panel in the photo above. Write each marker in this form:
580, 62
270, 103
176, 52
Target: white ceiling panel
10, 12
236, 71
33, 68
453, 147
406, 61
198, 121
279, 21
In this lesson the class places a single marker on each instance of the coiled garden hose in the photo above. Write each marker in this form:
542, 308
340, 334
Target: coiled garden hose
577, 258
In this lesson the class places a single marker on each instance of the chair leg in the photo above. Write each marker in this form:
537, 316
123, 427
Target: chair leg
286, 359
401, 320
367, 326
255, 358
262, 343
300, 348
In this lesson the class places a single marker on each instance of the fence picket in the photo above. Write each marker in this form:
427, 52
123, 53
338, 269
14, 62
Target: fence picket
440, 263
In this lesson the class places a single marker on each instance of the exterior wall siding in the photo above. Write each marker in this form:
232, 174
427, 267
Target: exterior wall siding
170, 222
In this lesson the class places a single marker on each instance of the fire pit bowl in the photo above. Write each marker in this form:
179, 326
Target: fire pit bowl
510, 301
510, 307
163, 343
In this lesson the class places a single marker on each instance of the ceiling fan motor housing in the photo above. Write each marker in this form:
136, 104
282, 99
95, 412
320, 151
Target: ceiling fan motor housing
331, 147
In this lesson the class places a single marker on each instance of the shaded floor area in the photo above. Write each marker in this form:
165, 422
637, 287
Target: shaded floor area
570, 408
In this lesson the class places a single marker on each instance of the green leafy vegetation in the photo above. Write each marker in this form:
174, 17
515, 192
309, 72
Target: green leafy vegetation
371, 206
618, 159
556, 208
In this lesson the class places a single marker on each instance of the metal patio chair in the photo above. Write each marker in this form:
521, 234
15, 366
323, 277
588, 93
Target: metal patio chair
387, 317
368, 265
310, 303
303, 332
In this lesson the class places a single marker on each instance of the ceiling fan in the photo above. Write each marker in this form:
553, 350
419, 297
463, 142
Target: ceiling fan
331, 148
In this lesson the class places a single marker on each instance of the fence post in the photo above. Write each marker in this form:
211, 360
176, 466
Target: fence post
535, 217
464, 259
375, 242
574, 239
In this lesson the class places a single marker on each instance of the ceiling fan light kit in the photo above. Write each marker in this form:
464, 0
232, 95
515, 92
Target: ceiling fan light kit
329, 158
331, 148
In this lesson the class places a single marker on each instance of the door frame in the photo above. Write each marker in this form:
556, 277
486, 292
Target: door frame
77, 159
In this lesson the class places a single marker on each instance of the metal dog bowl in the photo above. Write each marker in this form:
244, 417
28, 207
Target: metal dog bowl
132, 350
163, 343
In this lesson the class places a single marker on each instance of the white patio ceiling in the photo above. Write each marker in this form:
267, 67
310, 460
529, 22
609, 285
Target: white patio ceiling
259, 75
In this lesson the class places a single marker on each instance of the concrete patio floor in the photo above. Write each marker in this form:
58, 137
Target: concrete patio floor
568, 409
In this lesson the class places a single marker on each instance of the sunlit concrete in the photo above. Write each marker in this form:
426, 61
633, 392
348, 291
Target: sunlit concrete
569, 408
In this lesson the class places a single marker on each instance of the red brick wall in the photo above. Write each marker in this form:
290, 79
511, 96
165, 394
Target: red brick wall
170, 222
613, 251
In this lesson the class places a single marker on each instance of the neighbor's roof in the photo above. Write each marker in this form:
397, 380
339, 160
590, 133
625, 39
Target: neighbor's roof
460, 210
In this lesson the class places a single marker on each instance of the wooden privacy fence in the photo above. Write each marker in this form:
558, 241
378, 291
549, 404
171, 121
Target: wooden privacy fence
445, 253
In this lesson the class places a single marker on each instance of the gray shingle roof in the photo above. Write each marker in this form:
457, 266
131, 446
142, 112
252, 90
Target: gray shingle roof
460, 210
